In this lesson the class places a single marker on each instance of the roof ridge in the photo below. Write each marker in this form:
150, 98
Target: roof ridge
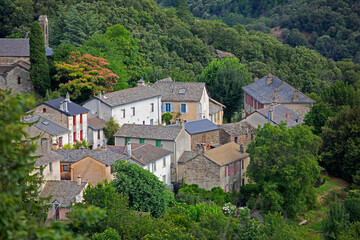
275, 90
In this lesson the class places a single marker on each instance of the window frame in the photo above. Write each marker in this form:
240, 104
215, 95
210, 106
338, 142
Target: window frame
164, 162
133, 111
153, 166
152, 108
65, 170
181, 106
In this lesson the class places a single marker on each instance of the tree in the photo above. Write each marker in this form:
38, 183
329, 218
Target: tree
39, 69
110, 129
145, 191
336, 221
284, 166
341, 94
108, 234
296, 38
84, 75
341, 143
224, 79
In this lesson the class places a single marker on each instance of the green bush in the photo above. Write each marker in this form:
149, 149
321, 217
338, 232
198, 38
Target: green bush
352, 206
336, 220
351, 233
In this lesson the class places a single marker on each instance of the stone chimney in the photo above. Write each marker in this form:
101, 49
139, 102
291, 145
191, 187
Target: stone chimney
79, 180
65, 106
67, 98
268, 80
276, 95
296, 96
181, 124
61, 106
241, 148
141, 82
100, 95
128, 149
44, 23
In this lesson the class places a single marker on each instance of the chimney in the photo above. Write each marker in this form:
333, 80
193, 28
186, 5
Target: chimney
276, 95
255, 79
67, 98
65, 106
270, 115
141, 82
181, 125
242, 148
268, 79
79, 180
61, 106
296, 96
45, 144
104, 93
44, 23
128, 149
99, 95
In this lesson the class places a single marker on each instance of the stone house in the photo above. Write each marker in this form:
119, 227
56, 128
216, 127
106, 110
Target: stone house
273, 115
91, 165
216, 111
224, 166
16, 77
96, 135
139, 105
172, 138
239, 132
188, 101
268, 90
67, 114
156, 160
63, 193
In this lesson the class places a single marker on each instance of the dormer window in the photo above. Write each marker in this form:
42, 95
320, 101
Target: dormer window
182, 91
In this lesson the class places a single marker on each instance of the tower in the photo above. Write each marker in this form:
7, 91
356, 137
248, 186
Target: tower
44, 23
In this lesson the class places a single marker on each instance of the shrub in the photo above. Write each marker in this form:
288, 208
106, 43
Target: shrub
352, 206
336, 220
351, 233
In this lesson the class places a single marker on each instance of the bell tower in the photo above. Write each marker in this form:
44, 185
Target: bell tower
44, 23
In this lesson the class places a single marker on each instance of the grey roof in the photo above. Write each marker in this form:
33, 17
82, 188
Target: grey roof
214, 108
73, 108
96, 123
74, 155
187, 156
129, 95
142, 153
18, 47
44, 157
63, 191
265, 94
148, 132
47, 126
279, 114
179, 91
238, 128
199, 126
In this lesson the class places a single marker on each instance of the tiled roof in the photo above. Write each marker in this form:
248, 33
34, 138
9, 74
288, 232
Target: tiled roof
238, 128
47, 126
129, 95
187, 156
148, 132
265, 94
225, 154
18, 47
179, 91
215, 106
199, 126
45, 156
143, 153
73, 108
96, 123
63, 191
280, 114
74, 155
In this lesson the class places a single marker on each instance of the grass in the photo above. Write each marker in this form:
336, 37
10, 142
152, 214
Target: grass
327, 186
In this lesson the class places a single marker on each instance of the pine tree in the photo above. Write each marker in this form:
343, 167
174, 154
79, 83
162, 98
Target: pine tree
39, 69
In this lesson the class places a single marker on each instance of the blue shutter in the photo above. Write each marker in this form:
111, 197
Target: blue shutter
171, 107
163, 107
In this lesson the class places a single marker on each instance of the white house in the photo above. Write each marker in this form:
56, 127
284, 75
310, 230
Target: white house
96, 136
140, 105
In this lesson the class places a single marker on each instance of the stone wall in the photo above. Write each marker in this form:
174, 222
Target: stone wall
18, 79
211, 137
52, 114
244, 139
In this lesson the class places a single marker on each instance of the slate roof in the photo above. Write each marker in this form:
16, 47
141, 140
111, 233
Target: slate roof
187, 156
63, 191
96, 123
215, 106
129, 95
279, 114
238, 128
143, 154
18, 47
225, 154
265, 94
47, 126
45, 157
179, 91
73, 108
74, 155
148, 132
199, 126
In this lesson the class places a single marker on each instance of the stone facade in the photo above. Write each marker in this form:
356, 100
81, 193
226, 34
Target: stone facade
17, 78
244, 139
211, 137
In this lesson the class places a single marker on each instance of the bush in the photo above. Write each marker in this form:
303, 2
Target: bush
166, 117
336, 220
352, 206
351, 233
172, 234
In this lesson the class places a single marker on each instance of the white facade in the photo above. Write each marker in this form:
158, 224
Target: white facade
161, 169
51, 171
79, 129
60, 140
145, 111
96, 138
203, 106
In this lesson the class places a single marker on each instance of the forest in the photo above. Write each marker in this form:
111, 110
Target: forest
111, 44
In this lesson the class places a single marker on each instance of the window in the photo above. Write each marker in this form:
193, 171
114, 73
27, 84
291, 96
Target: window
164, 162
167, 107
60, 142
152, 107
99, 134
81, 135
50, 167
44, 110
229, 168
182, 91
133, 111
236, 139
203, 138
74, 120
74, 136
183, 107
41, 170
154, 166
143, 122
242, 164
158, 143
127, 140
142, 140
164, 179
243, 182
80, 118
65, 168
151, 121
235, 168
123, 113
19, 80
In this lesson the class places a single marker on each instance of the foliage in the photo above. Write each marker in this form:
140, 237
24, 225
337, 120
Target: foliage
341, 142
284, 166
166, 117
111, 127
352, 206
80, 144
84, 75
318, 115
224, 79
108, 234
39, 69
336, 220
351, 233
145, 191
51, 95
341, 94
276, 228
172, 234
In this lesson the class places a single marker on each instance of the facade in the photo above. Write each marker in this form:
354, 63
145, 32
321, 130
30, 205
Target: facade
224, 166
139, 105
216, 111
16, 77
188, 101
96, 135
239, 132
156, 160
67, 114
269, 90
172, 138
